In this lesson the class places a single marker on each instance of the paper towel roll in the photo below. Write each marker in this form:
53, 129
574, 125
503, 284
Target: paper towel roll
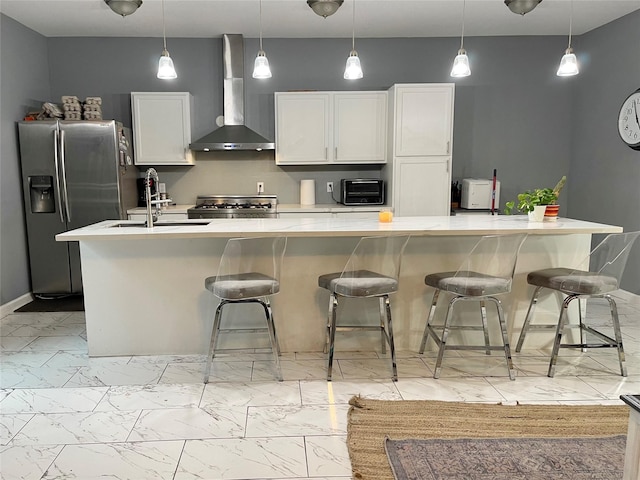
307, 192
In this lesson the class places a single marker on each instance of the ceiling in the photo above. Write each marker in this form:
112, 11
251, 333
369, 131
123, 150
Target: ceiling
294, 18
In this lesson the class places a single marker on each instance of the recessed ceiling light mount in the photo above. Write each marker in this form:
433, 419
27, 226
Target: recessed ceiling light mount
521, 6
325, 8
123, 7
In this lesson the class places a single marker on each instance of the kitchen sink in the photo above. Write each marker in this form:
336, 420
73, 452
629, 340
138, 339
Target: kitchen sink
166, 223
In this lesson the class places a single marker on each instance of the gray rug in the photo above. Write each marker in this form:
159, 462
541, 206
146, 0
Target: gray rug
599, 458
67, 303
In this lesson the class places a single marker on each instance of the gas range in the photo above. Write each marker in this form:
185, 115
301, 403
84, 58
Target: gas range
234, 206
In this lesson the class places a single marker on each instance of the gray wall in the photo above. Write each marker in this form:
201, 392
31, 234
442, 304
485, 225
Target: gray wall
605, 174
512, 114
24, 85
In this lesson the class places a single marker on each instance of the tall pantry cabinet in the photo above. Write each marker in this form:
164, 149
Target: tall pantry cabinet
420, 149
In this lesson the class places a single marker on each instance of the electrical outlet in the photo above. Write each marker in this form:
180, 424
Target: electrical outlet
260, 187
330, 187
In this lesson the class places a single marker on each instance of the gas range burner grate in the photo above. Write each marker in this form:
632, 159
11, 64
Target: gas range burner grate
234, 206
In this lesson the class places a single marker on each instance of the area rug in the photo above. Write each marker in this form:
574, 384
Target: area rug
371, 421
577, 458
70, 303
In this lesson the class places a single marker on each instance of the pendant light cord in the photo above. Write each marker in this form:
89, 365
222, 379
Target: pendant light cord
164, 33
260, 25
464, 3
353, 25
570, 23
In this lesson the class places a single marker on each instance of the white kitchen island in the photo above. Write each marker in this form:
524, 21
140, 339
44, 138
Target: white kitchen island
144, 288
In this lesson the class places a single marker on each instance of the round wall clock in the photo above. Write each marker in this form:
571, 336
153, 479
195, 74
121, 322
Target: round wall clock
629, 121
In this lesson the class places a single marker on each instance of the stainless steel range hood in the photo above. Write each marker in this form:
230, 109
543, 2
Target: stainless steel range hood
233, 135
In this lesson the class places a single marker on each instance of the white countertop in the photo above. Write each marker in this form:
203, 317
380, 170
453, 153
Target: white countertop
331, 227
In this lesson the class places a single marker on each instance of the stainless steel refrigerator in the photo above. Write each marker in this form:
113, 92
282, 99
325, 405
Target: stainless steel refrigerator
74, 173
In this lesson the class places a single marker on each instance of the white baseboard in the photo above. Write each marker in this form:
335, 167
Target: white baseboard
14, 304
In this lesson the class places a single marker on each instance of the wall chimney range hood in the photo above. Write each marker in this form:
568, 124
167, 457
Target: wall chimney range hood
233, 135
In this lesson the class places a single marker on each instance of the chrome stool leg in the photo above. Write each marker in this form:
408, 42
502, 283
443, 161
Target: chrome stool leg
527, 319
332, 334
485, 329
432, 312
445, 333
275, 347
214, 338
618, 334
582, 307
332, 305
505, 338
559, 330
383, 339
389, 337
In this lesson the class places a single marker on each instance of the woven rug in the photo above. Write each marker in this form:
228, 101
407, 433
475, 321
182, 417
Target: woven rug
371, 421
578, 458
69, 303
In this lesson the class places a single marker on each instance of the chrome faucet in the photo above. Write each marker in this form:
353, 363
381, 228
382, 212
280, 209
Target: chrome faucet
151, 216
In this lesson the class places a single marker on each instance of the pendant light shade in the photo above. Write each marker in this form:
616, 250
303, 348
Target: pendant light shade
461, 65
166, 70
325, 8
569, 63
353, 70
461, 62
261, 65
123, 7
521, 6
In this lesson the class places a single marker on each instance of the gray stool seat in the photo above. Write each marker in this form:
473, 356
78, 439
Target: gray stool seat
362, 283
606, 262
573, 281
244, 285
470, 284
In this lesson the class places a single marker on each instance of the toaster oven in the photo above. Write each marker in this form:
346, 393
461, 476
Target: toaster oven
361, 191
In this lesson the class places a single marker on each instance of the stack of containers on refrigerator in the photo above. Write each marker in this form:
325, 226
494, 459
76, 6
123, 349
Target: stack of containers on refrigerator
93, 108
71, 107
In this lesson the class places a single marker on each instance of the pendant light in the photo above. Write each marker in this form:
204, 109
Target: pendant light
166, 70
261, 66
353, 70
461, 62
569, 63
123, 7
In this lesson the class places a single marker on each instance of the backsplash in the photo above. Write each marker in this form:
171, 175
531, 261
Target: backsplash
237, 172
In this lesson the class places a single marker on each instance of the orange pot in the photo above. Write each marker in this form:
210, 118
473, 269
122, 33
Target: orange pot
551, 212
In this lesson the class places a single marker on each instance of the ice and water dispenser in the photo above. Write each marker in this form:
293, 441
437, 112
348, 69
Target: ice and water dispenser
41, 190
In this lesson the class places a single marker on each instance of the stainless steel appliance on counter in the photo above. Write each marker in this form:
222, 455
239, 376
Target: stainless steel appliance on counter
74, 173
234, 206
361, 191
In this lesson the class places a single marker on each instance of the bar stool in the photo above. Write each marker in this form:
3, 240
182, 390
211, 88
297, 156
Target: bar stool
249, 272
486, 272
606, 265
371, 271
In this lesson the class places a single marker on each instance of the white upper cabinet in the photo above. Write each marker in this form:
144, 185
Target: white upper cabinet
424, 119
330, 127
162, 128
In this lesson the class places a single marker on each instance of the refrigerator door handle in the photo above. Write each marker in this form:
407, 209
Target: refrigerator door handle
64, 177
56, 162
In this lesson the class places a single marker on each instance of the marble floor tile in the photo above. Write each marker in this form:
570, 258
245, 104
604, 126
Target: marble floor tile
337, 354
35, 377
52, 400
15, 344
166, 359
188, 423
128, 374
74, 317
122, 461
243, 459
545, 388
494, 365
565, 366
463, 389
302, 420
35, 318
321, 392
381, 368
56, 343
54, 330
327, 455
220, 371
293, 370
254, 394
68, 358
611, 363
74, 428
5, 330
10, 425
26, 462
612, 387
150, 397
26, 359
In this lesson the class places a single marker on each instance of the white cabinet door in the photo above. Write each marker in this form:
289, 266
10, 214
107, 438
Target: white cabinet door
302, 128
422, 186
161, 128
360, 127
424, 119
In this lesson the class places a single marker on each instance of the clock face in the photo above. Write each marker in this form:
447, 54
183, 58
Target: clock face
629, 121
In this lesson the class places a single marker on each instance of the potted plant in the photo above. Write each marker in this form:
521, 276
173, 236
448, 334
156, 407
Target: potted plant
535, 202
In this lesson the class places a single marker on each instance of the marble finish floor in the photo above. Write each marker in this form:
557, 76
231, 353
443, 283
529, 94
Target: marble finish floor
67, 416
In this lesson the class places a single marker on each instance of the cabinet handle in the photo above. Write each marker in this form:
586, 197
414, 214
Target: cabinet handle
336, 154
448, 145
326, 153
